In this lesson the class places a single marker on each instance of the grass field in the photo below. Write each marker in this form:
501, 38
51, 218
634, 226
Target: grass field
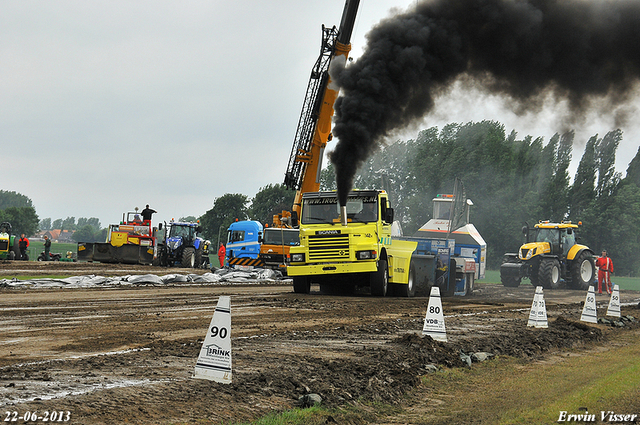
631, 283
36, 247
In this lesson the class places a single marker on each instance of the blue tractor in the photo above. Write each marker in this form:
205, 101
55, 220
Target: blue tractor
183, 247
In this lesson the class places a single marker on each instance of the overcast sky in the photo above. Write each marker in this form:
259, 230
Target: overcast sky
107, 106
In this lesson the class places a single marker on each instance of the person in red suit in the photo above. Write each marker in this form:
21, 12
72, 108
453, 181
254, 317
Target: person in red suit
605, 268
221, 254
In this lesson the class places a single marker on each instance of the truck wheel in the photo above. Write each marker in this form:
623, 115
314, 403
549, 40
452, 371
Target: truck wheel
450, 288
582, 271
188, 258
470, 279
301, 285
12, 255
549, 273
40, 257
379, 280
408, 290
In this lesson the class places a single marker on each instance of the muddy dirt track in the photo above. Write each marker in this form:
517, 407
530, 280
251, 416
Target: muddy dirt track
127, 354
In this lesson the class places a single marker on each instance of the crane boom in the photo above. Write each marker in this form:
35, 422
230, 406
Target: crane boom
314, 126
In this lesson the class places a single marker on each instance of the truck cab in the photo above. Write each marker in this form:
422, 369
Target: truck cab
349, 246
276, 245
243, 244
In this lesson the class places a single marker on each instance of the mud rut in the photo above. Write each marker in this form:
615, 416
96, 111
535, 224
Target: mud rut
126, 355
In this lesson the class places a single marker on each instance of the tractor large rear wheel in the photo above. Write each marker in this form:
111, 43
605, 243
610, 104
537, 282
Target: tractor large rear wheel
549, 273
188, 258
583, 271
198, 260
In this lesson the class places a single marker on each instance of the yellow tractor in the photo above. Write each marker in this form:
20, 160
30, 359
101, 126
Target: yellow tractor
9, 249
549, 256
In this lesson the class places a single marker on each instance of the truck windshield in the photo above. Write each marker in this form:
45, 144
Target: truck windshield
275, 236
441, 209
326, 210
236, 236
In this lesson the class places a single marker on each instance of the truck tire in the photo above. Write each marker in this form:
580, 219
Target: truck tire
188, 258
549, 273
583, 271
470, 280
301, 285
379, 280
408, 290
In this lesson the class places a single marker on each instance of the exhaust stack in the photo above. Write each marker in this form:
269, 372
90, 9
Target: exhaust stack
343, 215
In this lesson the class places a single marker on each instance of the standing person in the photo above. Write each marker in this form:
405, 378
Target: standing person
147, 213
23, 244
222, 252
47, 247
605, 268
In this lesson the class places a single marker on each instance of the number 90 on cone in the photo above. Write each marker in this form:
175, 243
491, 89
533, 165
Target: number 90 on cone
214, 361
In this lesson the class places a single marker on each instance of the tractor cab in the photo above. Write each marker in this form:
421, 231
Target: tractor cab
548, 238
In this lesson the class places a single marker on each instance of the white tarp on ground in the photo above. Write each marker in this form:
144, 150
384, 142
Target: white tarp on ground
221, 277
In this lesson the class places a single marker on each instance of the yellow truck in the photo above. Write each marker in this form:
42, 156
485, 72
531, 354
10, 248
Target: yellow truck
344, 247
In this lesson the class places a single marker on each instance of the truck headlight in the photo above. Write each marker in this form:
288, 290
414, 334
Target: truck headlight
297, 258
366, 255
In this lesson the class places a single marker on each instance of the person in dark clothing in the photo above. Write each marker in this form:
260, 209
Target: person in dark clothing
147, 213
23, 244
47, 248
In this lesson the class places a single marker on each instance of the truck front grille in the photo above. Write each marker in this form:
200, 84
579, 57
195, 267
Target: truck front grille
4, 245
328, 248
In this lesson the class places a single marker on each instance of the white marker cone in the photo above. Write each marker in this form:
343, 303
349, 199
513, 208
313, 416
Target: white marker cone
538, 313
434, 320
214, 361
589, 312
614, 302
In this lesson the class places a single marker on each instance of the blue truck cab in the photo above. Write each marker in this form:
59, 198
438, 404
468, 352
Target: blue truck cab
244, 239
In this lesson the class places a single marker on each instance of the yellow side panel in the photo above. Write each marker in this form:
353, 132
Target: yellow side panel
399, 254
119, 238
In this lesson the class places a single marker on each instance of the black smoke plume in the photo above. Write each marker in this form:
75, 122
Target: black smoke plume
574, 50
